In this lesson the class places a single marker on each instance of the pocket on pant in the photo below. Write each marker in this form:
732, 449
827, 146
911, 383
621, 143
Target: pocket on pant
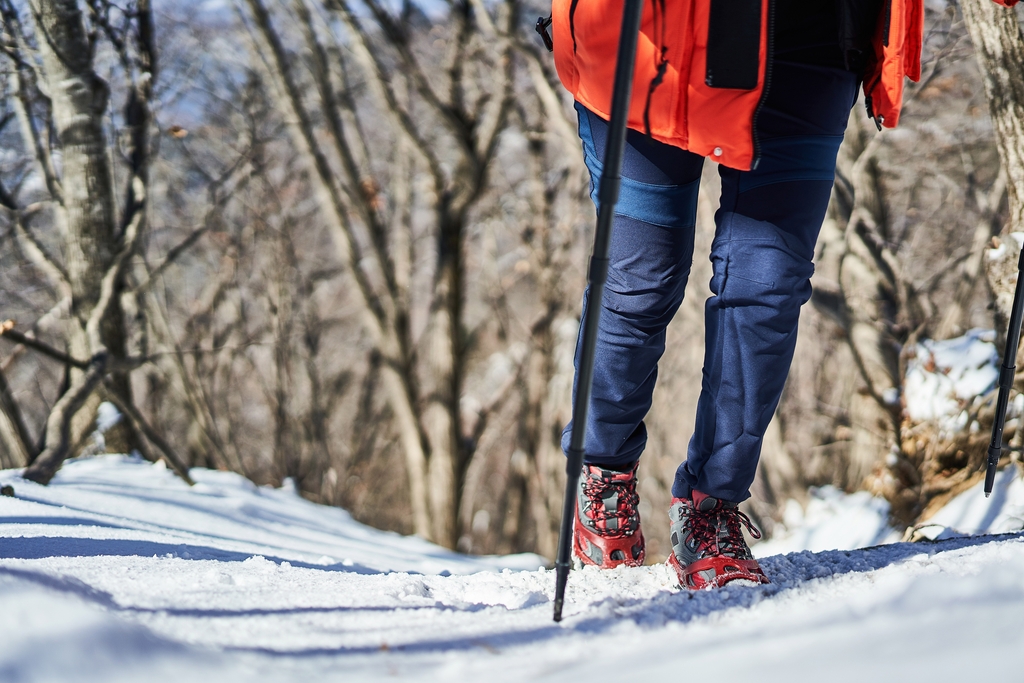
761, 272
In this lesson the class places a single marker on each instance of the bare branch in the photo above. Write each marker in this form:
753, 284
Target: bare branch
382, 83
58, 425
7, 330
61, 308
212, 217
411, 66
108, 285
988, 204
362, 199
37, 254
129, 411
25, 82
376, 314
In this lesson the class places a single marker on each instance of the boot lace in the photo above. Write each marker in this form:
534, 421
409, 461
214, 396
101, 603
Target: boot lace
625, 511
702, 530
731, 543
706, 531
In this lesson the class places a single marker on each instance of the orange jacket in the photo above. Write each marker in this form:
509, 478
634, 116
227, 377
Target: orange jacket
701, 68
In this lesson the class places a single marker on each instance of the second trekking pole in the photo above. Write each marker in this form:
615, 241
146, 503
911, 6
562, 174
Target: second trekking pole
1006, 375
608, 196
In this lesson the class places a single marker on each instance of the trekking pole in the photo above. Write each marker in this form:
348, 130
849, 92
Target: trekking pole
608, 196
1006, 373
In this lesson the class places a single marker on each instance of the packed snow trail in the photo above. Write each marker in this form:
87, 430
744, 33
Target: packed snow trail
119, 572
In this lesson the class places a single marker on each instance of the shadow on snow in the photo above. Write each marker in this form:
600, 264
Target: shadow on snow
39, 547
248, 516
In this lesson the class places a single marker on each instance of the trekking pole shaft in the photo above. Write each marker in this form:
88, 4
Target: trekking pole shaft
608, 195
1006, 374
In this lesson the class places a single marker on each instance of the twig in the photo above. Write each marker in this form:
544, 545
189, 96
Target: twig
34, 250
27, 78
112, 364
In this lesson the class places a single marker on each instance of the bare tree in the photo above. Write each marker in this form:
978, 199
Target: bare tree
96, 244
62, 104
443, 126
999, 47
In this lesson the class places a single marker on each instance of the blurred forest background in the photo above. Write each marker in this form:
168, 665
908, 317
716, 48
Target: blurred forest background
344, 242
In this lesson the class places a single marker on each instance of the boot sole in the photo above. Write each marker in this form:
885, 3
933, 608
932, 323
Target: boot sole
726, 570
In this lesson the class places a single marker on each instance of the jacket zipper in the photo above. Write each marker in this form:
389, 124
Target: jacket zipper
572, 23
767, 84
662, 60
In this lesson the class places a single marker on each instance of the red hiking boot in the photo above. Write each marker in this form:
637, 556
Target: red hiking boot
607, 527
708, 550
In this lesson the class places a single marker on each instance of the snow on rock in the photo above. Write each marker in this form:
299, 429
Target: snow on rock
832, 520
1000, 251
118, 571
943, 376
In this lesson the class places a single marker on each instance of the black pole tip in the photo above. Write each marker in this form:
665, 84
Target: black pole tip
990, 478
561, 579
994, 452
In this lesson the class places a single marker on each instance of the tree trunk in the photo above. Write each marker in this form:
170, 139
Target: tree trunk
15, 442
79, 105
442, 389
999, 47
80, 99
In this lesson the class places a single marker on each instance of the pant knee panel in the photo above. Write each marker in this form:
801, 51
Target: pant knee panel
755, 265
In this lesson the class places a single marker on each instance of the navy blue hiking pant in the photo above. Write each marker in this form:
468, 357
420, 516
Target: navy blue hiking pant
762, 254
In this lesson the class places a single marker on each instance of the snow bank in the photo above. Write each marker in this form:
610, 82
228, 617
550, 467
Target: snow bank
48, 636
117, 571
118, 505
834, 520
971, 513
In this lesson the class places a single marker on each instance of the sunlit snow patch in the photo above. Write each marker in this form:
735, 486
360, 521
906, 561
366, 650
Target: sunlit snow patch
832, 520
1000, 251
943, 377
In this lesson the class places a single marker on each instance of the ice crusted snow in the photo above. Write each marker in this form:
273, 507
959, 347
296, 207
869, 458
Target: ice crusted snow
119, 572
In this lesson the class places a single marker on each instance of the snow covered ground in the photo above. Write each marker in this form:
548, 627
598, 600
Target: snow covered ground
118, 571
